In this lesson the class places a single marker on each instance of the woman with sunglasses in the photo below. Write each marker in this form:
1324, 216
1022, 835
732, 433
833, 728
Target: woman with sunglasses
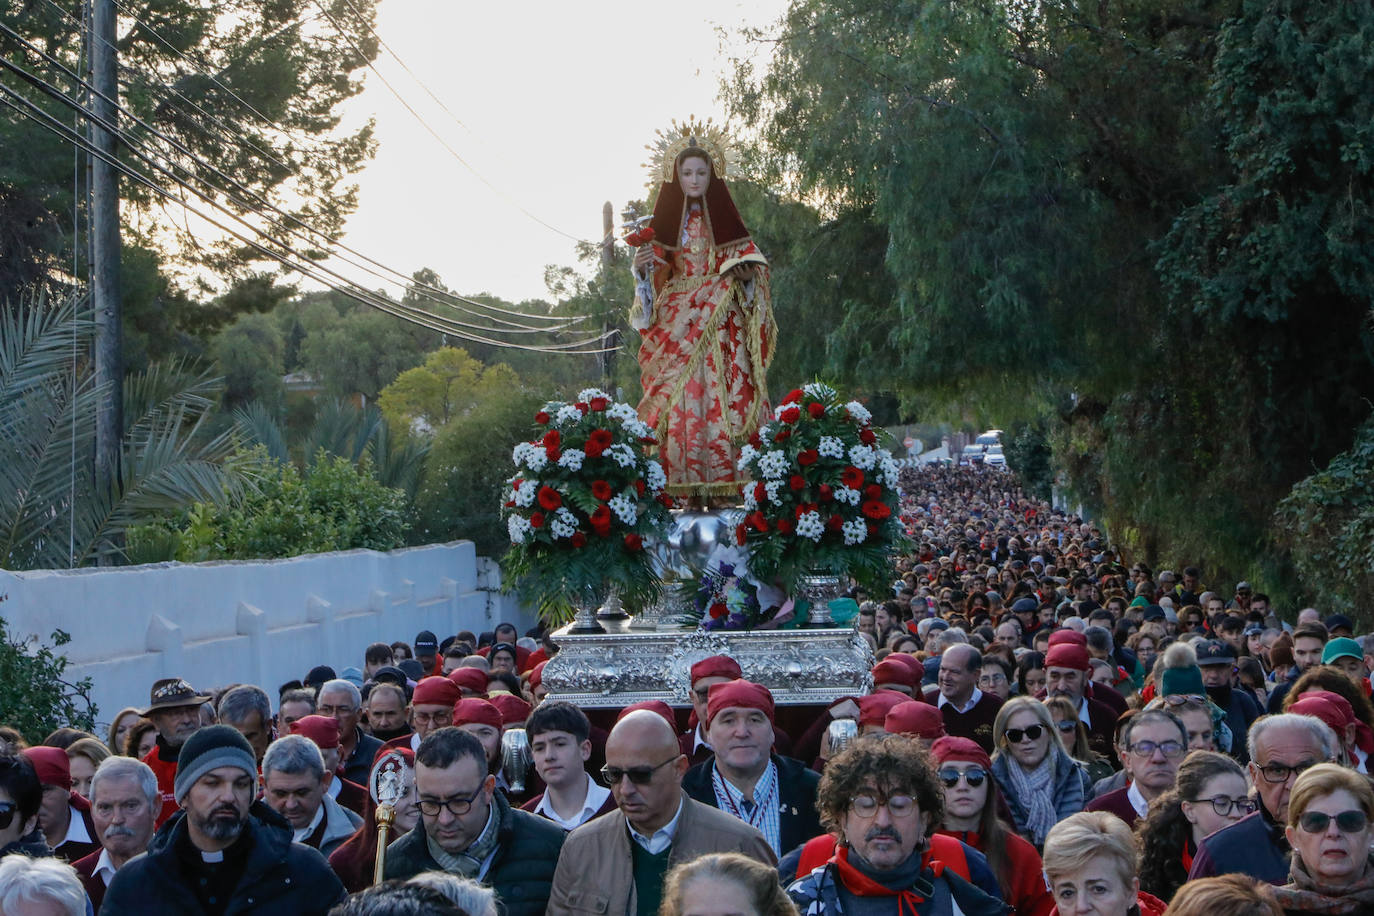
1074, 735
1039, 780
1210, 793
965, 773
1329, 828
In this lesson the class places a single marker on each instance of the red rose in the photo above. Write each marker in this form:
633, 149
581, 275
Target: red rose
552, 454
579, 539
873, 491
867, 436
754, 439
509, 503
816, 409
827, 494
741, 534
601, 521
796, 482
601, 490
852, 477
551, 439
808, 457
718, 610
634, 542
783, 435
872, 529
760, 492
598, 403
597, 442
875, 509
582, 406
665, 499
550, 498
639, 486
541, 418
835, 523
784, 526
790, 415
536, 519
793, 397
757, 520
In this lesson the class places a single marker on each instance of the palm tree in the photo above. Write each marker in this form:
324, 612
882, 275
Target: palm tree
52, 513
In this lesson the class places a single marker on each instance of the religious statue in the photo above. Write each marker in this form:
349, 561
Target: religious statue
706, 319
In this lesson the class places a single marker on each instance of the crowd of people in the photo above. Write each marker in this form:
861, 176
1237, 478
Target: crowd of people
1051, 729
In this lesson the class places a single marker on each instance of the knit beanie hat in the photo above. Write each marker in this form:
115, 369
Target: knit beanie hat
210, 748
1181, 675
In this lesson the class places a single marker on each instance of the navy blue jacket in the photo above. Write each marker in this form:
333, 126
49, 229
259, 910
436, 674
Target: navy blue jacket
1253, 845
797, 784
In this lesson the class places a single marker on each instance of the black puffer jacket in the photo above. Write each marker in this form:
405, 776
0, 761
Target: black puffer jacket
521, 872
280, 878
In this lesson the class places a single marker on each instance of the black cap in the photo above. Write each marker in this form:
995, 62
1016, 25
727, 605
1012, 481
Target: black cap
318, 675
411, 668
1154, 612
1025, 606
426, 643
504, 647
390, 674
1337, 621
1215, 652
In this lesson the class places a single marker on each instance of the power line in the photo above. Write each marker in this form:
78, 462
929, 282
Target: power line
441, 296
316, 272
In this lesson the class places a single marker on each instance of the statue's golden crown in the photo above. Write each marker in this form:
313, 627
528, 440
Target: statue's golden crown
690, 134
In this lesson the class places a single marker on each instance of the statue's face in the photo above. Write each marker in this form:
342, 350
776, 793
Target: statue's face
694, 174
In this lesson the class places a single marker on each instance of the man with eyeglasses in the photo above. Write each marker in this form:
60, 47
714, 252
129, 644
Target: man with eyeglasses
1281, 747
1153, 744
617, 862
431, 708
715, 669
745, 779
342, 701
880, 797
468, 828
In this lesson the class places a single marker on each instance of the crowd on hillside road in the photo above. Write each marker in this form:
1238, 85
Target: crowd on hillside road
1054, 728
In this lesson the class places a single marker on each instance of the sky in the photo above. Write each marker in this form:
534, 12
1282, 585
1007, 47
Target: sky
554, 103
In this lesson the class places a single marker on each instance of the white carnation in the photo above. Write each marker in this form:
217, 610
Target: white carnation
848, 496
622, 454
819, 391
862, 457
831, 447
567, 414
622, 412
571, 459
810, 526
526, 492
520, 452
858, 411
519, 528
638, 428
750, 504
855, 532
536, 459
772, 487
655, 478
586, 394
747, 454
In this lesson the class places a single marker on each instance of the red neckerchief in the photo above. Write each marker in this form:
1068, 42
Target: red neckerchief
1187, 856
856, 882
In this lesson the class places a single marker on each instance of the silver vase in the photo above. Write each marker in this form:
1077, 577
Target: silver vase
674, 610
612, 609
819, 587
584, 621
515, 758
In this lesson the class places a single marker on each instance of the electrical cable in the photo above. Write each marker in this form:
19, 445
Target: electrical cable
316, 272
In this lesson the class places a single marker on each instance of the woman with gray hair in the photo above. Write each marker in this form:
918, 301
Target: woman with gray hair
40, 885
1090, 868
473, 897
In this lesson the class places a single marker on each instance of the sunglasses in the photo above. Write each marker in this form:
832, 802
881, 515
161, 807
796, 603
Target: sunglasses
1352, 821
1033, 733
7, 810
640, 776
973, 777
1066, 726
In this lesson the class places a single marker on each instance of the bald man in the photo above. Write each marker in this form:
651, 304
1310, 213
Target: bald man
616, 863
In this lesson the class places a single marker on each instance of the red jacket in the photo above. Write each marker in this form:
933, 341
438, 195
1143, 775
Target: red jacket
1149, 904
1026, 890
166, 772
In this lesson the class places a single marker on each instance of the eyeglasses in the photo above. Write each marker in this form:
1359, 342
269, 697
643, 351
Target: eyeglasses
1170, 749
992, 680
1352, 821
1067, 726
334, 710
1222, 804
973, 777
7, 810
1279, 772
439, 719
1033, 733
640, 776
456, 806
1183, 699
866, 806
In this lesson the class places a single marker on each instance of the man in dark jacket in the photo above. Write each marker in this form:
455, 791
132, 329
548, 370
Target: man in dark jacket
775, 794
468, 828
222, 853
1217, 661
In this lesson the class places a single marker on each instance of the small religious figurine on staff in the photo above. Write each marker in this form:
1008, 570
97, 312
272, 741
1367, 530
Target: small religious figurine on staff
706, 319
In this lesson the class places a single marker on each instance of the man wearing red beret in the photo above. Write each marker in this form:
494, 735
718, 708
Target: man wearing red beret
483, 721
431, 708
890, 674
1066, 675
774, 794
324, 732
915, 720
471, 681
64, 815
716, 669
968, 712
1104, 693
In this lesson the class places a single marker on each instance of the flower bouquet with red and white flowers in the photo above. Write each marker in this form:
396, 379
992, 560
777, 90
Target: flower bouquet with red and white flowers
583, 502
823, 494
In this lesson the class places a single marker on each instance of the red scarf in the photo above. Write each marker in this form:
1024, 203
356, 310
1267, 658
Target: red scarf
856, 882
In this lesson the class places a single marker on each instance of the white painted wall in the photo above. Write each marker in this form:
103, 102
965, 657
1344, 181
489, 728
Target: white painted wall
261, 622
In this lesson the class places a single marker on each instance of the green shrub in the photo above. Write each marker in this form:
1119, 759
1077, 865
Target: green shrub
36, 698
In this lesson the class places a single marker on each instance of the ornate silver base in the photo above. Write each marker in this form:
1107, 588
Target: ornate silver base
612, 609
819, 588
624, 666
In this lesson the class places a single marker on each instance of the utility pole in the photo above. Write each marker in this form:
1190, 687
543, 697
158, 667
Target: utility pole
105, 246
607, 258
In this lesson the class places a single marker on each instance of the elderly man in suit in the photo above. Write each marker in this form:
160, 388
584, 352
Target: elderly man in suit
617, 862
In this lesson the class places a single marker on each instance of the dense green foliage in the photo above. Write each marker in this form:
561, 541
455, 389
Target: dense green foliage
1139, 227
37, 700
